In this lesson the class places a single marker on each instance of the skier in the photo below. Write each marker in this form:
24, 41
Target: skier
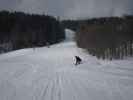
78, 60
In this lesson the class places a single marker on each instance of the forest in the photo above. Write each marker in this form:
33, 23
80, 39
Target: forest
107, 37
20, 30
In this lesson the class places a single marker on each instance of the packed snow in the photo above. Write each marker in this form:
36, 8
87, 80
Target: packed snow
50, 74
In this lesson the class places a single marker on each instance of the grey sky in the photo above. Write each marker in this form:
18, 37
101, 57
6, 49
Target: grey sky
71, 8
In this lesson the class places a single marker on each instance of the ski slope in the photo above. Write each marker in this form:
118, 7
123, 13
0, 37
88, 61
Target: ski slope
50, 74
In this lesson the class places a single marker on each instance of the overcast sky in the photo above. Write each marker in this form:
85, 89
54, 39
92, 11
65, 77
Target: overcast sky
71, 8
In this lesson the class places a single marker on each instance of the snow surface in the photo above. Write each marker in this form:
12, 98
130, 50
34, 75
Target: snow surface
50, 74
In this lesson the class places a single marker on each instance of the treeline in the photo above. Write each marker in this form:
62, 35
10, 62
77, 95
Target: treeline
107, 38
21, 30
71, 24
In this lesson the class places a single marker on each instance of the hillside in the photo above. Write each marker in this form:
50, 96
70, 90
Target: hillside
50, 74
